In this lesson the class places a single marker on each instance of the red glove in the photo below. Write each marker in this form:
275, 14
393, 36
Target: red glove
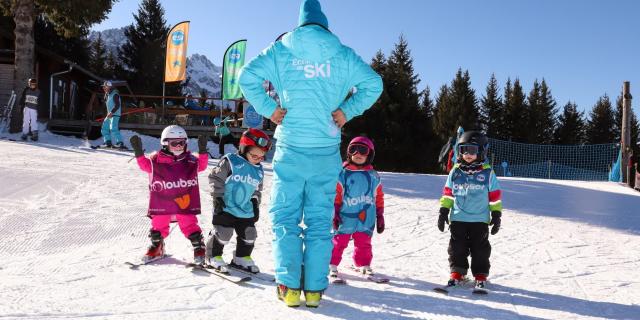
380, 220
336, 218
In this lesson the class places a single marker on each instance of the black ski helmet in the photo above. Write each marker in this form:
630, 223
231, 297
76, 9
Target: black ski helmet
475, 138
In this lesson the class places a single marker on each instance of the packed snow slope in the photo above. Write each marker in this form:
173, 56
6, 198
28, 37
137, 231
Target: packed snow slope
70, 217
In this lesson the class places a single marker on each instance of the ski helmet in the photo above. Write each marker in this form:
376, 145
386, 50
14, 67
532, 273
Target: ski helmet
475, 138
363, 141
254, 138
32, 80
107, 84
172, 132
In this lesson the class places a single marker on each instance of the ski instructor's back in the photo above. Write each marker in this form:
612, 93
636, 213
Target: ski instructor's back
312, 73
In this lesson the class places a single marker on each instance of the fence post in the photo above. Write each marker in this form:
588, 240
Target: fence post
549, 168
626, 133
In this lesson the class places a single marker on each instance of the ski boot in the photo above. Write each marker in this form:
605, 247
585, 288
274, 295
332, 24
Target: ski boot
198, 247
218, 263
455, 279
333, 271
245, 263
366, 270
119, 145
480, 284
34, 135
23, 137
291, 297
107, 144
312, 298
156, 249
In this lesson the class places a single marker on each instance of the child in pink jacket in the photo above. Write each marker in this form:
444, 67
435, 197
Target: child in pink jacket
174, 190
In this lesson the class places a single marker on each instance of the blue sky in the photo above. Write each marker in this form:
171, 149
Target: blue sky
583, 49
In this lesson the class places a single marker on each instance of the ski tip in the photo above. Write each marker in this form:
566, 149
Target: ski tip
441, 290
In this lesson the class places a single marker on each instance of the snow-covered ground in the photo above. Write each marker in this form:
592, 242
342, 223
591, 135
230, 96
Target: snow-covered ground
71, 216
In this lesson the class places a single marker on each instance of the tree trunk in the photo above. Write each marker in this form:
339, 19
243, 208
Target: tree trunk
24, 17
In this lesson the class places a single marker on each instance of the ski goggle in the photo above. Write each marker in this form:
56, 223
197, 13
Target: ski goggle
358, 148
470, 149
259, 141
177, 143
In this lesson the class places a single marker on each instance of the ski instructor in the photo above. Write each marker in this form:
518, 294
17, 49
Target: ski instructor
312, 72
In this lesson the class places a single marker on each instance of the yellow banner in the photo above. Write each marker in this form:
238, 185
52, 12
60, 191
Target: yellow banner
175, 66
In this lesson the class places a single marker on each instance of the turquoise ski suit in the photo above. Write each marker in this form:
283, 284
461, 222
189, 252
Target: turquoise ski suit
312, 72
110, 125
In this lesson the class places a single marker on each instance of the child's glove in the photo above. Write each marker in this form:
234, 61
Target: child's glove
444, 217
256, 209
218, 205
136, 144
202, 144
336, 221
379, 220
495, 221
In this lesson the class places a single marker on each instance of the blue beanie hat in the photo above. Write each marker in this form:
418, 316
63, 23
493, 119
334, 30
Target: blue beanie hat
310, 12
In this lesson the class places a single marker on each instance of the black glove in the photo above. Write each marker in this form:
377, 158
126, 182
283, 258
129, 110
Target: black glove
202, 144
256, 209
218, 205
136, 144
444, 217
495, 221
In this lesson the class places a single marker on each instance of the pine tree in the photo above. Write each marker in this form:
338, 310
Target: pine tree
601, 124
456, 106
426, 103
112, 66
70, 18
541, 113
571, 126
492, 110
98, 58
144, 52
515, 112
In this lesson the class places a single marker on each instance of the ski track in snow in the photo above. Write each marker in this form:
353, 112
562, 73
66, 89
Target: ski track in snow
71, 216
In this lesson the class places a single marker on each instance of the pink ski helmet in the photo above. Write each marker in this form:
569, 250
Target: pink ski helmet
356, 145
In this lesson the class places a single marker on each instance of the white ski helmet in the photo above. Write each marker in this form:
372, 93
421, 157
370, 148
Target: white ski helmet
172, 132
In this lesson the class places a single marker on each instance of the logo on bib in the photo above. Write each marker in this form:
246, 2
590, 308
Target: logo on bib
183, 202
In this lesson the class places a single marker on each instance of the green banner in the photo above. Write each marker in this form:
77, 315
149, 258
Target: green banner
233, 62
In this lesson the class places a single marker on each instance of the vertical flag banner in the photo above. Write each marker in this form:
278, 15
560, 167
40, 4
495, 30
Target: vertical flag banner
233, 62
175, 68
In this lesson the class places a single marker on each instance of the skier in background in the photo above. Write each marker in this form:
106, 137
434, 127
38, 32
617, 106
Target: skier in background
110, 123
174, 190
359, 207
312, 73
30, 102
473, 193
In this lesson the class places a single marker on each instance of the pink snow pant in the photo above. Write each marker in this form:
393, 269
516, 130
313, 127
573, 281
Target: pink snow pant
188, 223
362, 253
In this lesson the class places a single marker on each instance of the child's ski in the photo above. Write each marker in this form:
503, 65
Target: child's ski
135, 266
337, 279
370, 276
114, 148
227, 276
259, 275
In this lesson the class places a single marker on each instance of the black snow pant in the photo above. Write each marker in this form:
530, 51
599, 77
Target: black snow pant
224, 224
469, 238
221, 141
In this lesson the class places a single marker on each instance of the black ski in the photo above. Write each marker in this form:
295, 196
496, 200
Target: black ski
373, 277
224, 275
